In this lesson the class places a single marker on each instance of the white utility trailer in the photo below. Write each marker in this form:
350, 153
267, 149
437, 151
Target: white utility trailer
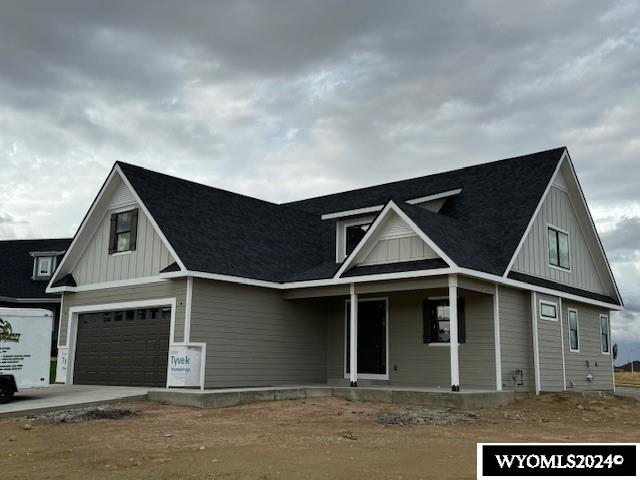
25, 345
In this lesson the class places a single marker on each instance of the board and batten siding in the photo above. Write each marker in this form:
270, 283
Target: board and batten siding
550, 348
255, 337
533, 258
96, 265
411, 361
394, 241
599, 365
516, 340
165, 289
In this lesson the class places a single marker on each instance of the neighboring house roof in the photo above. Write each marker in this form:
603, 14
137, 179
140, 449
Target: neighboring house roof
629, 366
16, 267
221, 232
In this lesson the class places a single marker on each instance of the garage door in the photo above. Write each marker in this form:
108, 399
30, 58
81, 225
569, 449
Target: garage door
127, 347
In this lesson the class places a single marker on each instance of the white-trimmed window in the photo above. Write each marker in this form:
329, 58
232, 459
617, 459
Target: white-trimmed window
604, 334
352, 236
44, 266
548, 310
349, 233
558, 241
574, 339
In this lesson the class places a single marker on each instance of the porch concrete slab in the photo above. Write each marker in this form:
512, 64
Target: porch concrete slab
226, 397
364, 394
57, 397
432, 397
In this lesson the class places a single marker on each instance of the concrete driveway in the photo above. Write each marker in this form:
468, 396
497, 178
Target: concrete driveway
56, 397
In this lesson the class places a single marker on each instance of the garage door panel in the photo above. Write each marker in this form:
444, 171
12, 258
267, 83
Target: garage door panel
123, 348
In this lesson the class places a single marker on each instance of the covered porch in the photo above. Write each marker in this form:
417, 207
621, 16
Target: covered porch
439, 334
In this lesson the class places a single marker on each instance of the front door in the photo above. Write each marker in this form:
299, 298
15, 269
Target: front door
372, 338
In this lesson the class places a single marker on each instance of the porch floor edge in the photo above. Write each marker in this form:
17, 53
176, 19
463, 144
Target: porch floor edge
437, 398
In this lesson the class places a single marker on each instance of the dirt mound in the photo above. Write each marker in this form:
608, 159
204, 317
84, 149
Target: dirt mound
77, 415
425, 416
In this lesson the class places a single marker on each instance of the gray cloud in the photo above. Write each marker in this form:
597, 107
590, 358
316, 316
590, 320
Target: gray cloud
286, 99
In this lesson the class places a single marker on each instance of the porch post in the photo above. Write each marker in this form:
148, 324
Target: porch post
353, 335
453, 332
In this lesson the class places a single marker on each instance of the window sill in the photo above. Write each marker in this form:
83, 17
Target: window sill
126, 252
562, 269
549, 319
574, 351
440, 344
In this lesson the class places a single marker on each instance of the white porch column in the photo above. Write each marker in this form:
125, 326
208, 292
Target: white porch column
453, 332
353, 335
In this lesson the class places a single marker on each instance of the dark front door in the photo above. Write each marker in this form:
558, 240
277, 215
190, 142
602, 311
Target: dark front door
125, 347
372, 337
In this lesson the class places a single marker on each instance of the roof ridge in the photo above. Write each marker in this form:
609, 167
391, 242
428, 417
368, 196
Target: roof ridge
204, 185
395, 182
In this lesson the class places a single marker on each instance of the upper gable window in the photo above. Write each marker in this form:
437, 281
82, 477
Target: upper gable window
558, 248
44, 266
353, 235
123, 232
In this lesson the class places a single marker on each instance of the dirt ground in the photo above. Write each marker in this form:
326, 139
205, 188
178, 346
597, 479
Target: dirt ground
313, 439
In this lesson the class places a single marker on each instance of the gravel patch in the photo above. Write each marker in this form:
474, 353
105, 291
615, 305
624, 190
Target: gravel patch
425, 416
77, 415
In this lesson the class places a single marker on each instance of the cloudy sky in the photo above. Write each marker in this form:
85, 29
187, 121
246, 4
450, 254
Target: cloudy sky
288, 99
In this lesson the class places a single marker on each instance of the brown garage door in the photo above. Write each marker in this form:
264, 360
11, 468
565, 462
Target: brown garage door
127, 347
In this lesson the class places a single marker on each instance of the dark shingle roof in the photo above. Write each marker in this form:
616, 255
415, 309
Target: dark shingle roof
541, 282
217, 231
428, 264
16, 267
494, 208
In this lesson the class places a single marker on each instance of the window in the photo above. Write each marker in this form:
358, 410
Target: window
558, 249
44, 266
548, 310
574, 343
604, 334
353, 235
436, 321
124, 226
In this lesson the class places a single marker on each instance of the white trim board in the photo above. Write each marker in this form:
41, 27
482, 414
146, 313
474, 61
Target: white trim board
391, 206
566, 159
535, 214
367, 376
129, 282
390, 276
72, 323
436, 196
377, 208
93, 210
496, 337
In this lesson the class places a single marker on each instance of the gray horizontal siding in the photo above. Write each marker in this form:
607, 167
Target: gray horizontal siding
166, 289
533, 258
256, 338
550, 349
589, 342
516, 341
413, 363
